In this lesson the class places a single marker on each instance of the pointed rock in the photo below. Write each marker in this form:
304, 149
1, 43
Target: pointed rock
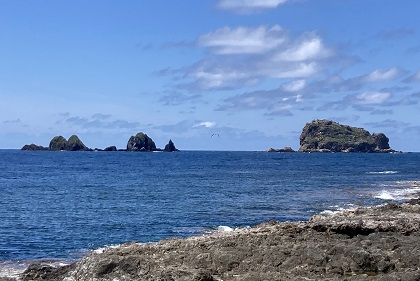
170, 147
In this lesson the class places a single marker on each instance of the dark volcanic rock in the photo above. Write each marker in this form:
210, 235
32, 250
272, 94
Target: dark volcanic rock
73, 144
58, 143
33, 147
329, 136
111, 148
380, 243
141, 142
170, 147
285, 149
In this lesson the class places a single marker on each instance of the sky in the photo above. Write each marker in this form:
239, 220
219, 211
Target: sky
210, 75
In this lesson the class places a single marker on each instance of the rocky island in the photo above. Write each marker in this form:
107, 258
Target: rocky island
139, 142
330, 136
377, 243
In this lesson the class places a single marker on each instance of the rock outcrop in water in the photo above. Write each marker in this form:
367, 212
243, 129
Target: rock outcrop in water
73, 144
170, 147
330, 136
33, 147
378, 243
284, 149
141, 142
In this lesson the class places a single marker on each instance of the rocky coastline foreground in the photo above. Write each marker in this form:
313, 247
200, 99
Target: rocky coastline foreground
377, 243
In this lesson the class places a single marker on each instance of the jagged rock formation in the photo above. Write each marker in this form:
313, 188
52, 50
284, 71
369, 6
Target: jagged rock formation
379, 243
33, 147
141, 142
285, 149
330, 136
170, 147
73, 144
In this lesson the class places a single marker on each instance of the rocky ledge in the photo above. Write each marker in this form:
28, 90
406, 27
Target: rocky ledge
378, 243
330, 136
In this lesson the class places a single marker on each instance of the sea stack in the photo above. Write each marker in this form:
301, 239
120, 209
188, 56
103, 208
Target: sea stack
330, 136
141, 142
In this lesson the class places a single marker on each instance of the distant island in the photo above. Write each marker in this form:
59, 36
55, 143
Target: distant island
139, 142
330, 136
316, 136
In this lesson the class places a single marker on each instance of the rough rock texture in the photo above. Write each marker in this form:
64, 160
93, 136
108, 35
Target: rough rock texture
58, 143
329, 136
73, 144
170, 147
141, 142
33, 147
111, 148
285, 149
380, 243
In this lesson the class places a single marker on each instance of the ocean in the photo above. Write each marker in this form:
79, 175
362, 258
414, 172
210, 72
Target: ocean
58, 206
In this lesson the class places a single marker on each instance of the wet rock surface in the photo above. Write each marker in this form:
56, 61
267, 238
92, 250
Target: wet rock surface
378, 243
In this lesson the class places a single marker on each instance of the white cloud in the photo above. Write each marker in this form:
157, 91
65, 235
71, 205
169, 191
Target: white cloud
245, 56
382, 75
206, 124
249, 4
294, 70
217, 78
309, 49
294, 86
243, 40
372, 98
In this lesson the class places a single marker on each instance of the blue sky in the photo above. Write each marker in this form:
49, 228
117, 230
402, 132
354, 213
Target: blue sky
252, 71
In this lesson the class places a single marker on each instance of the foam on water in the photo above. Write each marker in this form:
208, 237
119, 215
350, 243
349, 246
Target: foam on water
383, 172
400, 190
12, 269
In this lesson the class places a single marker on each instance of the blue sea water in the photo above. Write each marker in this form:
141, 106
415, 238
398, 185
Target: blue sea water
59, 205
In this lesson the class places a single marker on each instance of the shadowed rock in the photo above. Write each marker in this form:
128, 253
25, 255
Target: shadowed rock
141, 142
58, 143
170, 147
330, 136
33, 147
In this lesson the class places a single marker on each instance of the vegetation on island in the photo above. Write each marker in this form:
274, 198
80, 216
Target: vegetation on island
139, 142
330, 136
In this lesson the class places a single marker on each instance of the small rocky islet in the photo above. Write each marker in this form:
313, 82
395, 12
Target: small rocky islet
139, 142
317, 136
329, 136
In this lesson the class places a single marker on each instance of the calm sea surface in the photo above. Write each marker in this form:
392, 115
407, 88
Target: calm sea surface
59, 205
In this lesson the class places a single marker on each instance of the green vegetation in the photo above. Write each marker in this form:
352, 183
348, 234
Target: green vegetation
141, 142
330, 136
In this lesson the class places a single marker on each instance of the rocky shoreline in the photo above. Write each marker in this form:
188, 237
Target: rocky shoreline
377, 243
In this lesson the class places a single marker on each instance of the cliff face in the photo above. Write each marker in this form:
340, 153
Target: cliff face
330, 136
141, 142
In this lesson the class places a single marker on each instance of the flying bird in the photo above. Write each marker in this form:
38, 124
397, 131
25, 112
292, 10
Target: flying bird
215, 135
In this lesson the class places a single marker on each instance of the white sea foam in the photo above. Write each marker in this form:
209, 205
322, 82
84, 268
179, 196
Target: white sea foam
382, 172
103, 249
400, 190
385, 195
224, 228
